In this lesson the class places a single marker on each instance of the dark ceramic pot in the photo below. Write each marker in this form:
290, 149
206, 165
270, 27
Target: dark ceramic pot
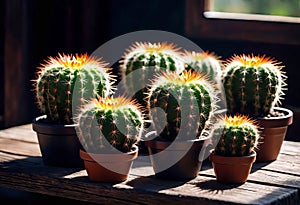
59, 144
175, 160
273, 133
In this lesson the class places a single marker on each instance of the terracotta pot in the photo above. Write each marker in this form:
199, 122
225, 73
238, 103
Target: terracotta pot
232, 169
273, 133
175, 160
108, 167
59, 144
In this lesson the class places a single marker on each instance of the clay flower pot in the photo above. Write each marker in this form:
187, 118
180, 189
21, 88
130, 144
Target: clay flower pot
273, 133
232, 169
111, 168
175, 160
59, 144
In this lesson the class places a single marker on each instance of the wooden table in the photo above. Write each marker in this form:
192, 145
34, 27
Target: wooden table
21, 168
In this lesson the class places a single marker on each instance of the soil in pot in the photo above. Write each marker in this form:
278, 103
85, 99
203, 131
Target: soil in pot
112, 168
175, 160
59, 144
234, 170
274, 128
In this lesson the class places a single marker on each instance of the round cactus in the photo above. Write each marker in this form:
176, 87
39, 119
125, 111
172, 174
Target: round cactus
110, 123
206, 63
187, 100
59, 77
142, 61
237, 136
253, 84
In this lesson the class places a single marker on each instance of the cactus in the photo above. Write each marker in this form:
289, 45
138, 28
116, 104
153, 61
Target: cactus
238, 136
110, 123
206, 63
60, 76
188, 101
253, 84
146, 59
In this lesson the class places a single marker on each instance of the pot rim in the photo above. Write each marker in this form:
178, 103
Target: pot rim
280, 121
110, 157
228, 160
39, 125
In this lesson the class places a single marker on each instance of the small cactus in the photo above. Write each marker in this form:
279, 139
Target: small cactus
253, 84
188, 101
206, 63
146, 59
237, 136
59, 77
110, 123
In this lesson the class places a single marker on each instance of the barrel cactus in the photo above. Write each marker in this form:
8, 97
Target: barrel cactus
253, 84
67, 79
207, 63
110, 124
187, 100
237, 136
142, 61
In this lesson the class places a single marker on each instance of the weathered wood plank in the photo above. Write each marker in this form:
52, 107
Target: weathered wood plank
21, 133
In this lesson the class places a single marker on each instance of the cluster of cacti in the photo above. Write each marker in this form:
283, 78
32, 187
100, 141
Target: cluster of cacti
142, 61
206, 63
187, 100
236, 136
70, 79
110, 123
253, 84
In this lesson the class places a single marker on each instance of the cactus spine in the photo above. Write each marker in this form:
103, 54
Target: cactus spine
253, 84
62, 76
109, 123
238, 136
146, 59
188, 101
204, 62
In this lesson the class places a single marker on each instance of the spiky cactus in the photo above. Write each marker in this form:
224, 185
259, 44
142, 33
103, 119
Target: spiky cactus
253, 84
187, 100
67, 79
110, 123
206, 63
237, 136
142, 61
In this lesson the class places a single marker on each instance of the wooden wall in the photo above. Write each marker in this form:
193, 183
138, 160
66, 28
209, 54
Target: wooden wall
33, 30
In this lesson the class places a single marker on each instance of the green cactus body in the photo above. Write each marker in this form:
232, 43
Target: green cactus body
253, 85
147, 59
237, 136
110, 123
205, 63
187, 101
60, 77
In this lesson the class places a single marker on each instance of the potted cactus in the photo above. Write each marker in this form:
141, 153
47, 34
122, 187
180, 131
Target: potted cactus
109, 129
180, 108
62, 85
236, 138
142, 61
254, 85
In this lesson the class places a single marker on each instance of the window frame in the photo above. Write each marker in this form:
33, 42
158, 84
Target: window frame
202, 23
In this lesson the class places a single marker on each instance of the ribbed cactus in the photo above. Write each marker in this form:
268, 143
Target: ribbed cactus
253, 84
109, 123
187, 100
142, 60
68, 79
237, 136
206, 63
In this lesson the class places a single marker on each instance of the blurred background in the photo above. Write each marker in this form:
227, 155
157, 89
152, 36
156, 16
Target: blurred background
32, 30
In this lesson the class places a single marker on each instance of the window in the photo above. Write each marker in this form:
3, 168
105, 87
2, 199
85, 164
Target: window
214, 20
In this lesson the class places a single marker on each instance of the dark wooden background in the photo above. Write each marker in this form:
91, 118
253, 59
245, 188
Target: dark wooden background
32, 30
